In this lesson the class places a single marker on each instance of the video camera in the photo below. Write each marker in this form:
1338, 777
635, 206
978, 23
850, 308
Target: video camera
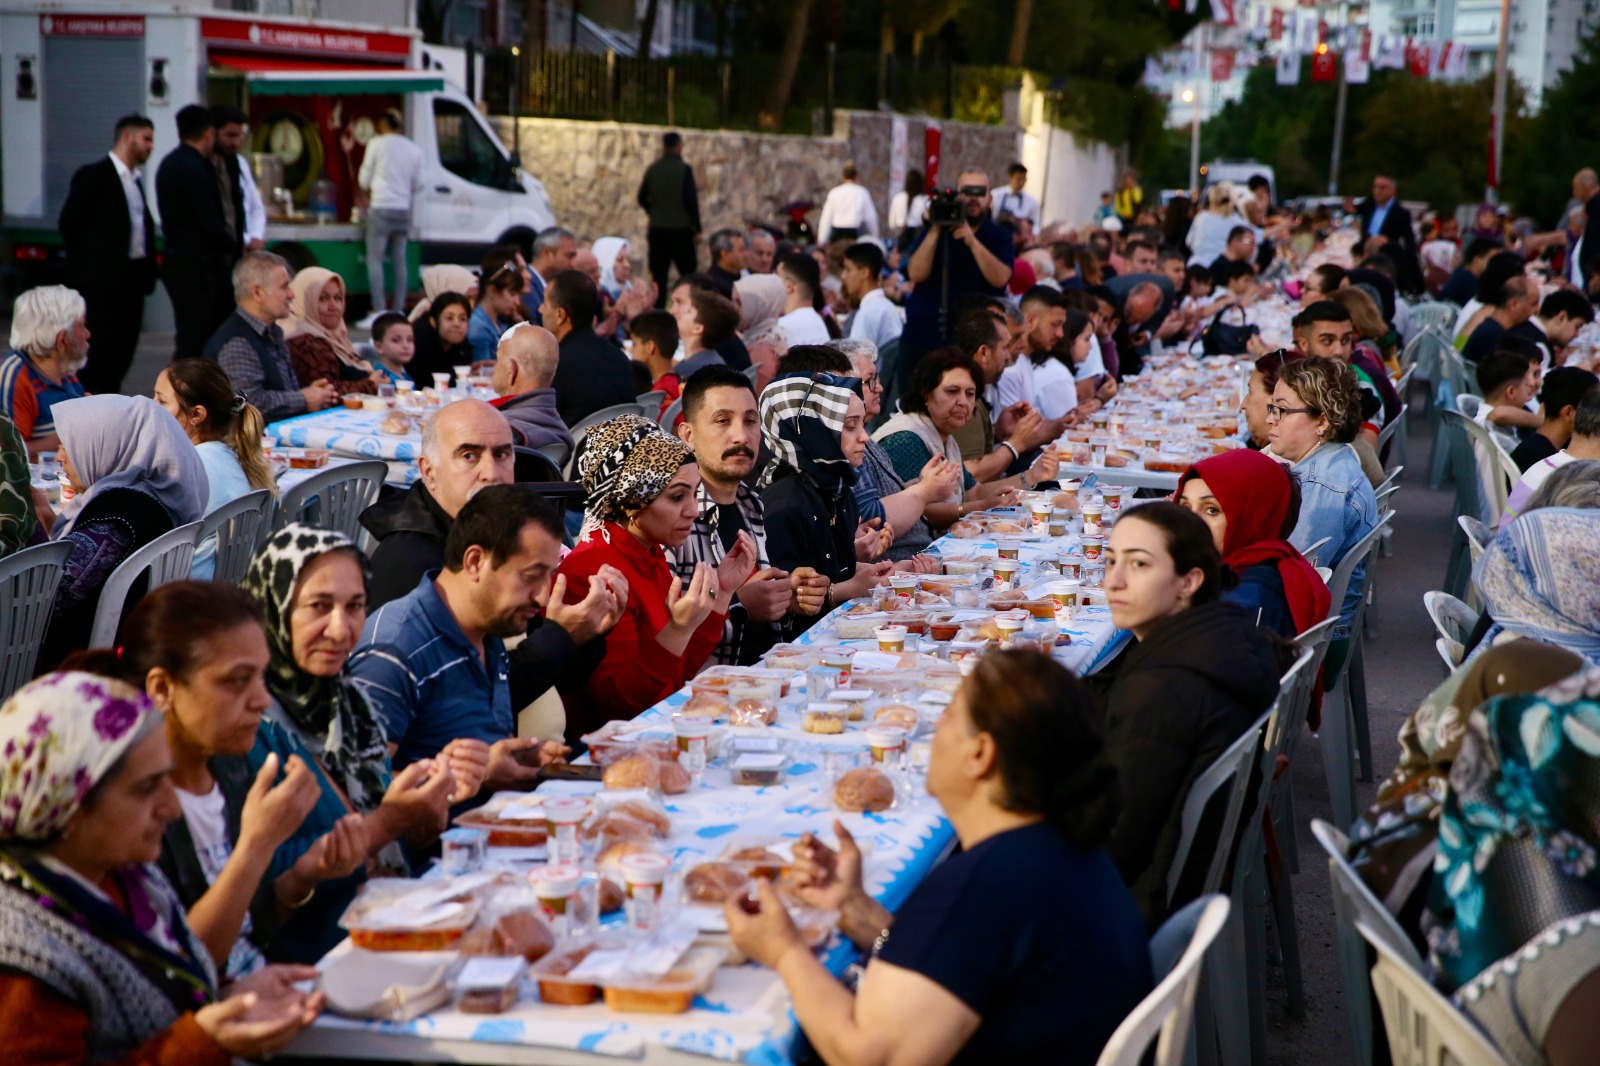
944, 208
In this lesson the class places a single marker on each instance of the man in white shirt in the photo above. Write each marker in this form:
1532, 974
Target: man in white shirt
391, 175
876, 318
1039, 378
848, 213
802, 281
1020, 205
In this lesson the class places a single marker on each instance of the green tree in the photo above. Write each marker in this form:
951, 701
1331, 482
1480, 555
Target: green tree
1542, 154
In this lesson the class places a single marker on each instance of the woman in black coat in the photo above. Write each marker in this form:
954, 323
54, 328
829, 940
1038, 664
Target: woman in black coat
1200, 675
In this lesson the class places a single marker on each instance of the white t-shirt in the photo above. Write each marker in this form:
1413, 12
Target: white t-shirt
1019, 205
877, 320
803, 326
906, 211
392, 171
1047, 386
1464, 317
1094, 364
207, 820
848, 206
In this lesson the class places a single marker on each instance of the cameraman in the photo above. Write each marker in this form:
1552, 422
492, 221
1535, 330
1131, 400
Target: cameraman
980, 261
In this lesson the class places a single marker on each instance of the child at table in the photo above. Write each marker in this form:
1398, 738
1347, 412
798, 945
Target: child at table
395, 344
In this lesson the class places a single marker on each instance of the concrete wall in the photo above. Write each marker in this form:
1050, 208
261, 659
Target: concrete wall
592, 169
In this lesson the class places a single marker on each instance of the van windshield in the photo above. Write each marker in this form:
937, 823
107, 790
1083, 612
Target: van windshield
464, 149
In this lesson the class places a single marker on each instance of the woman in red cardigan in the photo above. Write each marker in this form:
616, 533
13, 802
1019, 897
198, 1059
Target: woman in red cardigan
641, 484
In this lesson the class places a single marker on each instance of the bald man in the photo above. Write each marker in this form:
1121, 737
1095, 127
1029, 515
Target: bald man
465, 448
524, 367
1584, 262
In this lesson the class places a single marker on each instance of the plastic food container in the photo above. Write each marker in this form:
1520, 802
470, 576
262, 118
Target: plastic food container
463, 850
826, 717
511, 820
759, 769
379, 919
673, 993
551, 974
306, 458
794, 658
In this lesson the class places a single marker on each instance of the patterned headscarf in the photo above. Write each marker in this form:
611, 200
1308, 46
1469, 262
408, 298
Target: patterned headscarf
325, 709
59, 736
1540, 578
627, 462
802, 418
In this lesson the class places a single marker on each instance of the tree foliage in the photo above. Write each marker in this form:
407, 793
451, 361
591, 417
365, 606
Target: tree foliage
1561, 139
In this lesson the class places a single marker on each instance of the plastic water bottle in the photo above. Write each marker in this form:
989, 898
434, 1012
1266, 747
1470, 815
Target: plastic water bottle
324, 202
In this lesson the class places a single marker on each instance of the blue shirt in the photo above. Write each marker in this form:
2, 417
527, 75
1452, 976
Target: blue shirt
1380, 212
227, 481
390, 374
921, 333
426, 682
483, 335
1336, 501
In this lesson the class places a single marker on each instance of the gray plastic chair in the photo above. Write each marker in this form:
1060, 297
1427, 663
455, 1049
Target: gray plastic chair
581, 428
28, 582
239, 526
1166, 1016
1314, 550
1344, 708
334, 498
167, 558
1391, 428
651, 400
1353, 901
669, 414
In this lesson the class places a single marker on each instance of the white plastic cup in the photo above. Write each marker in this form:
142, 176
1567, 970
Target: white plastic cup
1093, 512
643, 874
886, 742
891, 639
904, 585
692, 734
1064, 594
562, 815
1010, 628
555, 886
1093, 547
1005, 574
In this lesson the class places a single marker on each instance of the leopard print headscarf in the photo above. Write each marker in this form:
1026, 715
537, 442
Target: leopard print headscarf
626, 463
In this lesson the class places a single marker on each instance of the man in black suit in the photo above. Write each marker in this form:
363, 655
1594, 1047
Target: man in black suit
591, 372
200, 249
1386, 226
111, 255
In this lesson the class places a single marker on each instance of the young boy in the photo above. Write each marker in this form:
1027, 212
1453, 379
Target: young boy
706, 320
655, 338
1509, 377
395, 344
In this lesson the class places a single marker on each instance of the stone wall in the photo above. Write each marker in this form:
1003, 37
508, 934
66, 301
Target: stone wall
592, 169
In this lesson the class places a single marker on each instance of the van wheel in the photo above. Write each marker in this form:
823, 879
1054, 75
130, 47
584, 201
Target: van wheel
298, 255
522, 238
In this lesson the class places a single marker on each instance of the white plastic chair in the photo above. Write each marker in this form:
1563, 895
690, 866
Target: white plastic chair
167, 558
1454, 620
239, 526
28, 582
334, 498
1354, 902
1392, 427
1423, 1027
1314, 550
1451, 653
1166, 1015
1478, 535
1324, 572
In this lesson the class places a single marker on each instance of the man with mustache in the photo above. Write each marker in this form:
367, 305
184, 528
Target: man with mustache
722, 425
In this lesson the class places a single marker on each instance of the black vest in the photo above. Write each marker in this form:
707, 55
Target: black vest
236, 326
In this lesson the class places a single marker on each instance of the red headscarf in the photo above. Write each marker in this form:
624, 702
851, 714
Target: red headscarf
1253, 491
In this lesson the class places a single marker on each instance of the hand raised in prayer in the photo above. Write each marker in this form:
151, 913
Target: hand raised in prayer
1032, 430
516, 761
591, 616
767, 935
808, 590
918, 564
419, 796
319, 394
340, 851
735, 569
274, 809
826, 878
938, 479
692, 605
871, 540
1045, 467
259, 1020
468, 760
766, 595
1006, 424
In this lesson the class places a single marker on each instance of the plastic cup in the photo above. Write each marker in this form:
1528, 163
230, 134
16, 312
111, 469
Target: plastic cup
562, 815
1041, 515
1093, 512
1071, 567
1093, 547
1060, 522
402, 387
1094, 575
1112, 497
1008, 549
891, 639
1082, 453
1010, 629
462, 851
886, 741
374, 404
555, 886
643, 874
1064, 594
352, 401
692, 734
462, 374
1097, 455
1070, 489
1005, 574
904, 585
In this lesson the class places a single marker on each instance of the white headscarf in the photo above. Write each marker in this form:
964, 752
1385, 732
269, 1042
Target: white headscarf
606, 249
129, 442
761, 299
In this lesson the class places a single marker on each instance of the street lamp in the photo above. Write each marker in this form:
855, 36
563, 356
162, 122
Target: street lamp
1188, 96
1191, 95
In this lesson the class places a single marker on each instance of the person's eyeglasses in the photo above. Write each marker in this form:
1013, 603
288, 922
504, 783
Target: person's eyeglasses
974, 190
1276, 412
871, 382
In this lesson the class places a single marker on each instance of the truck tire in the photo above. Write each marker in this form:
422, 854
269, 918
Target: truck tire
298, 255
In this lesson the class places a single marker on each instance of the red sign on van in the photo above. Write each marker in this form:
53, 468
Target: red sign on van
303, 39
91, 25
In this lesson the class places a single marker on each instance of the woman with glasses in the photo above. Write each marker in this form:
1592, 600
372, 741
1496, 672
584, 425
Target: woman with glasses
1263, 379
1314, 415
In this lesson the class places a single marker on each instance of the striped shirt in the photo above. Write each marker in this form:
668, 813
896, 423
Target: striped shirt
739, 644
26, 396
426, 682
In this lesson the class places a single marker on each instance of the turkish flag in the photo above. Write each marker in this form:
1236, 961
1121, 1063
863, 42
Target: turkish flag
1324, 66
1422, 59
1366, 46
1275, 27
931, 136
1221, 64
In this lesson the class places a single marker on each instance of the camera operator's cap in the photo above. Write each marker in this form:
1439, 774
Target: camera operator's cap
1112, 224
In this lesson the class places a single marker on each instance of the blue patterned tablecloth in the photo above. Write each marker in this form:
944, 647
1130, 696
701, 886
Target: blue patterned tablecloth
354, 435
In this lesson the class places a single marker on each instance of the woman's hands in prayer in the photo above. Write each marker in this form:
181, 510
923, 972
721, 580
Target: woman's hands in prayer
418, 799
274, 809
808, 590
734, 570
1045, 467
689, 606
263, 1012
873, 538
340, 851
938, 480
918, 564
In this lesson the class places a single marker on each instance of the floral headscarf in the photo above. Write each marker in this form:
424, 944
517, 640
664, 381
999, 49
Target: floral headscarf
1519, 833
1540, 578
626, 462
802, 418
328, 712
59, 736
307, 288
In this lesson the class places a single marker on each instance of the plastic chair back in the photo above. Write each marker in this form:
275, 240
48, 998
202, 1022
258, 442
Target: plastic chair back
651, 401
1450, 653
1478, 535
1468, 404
28, 582
1165, 1015
533, 465
167, 558
1339, 583
1435, 314
1354, 902
1497, 474
239, 526
1313, 550
334, 498
1451, 617
752, 372
669, 414
1391, 427
1230, 773
556, 452
1423, 1027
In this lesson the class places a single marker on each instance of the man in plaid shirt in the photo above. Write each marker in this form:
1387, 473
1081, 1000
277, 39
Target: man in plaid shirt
721, 423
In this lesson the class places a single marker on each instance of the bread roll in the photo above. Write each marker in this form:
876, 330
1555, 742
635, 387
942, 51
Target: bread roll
635, 771
612, 896
714, 882
897, 714
674, 779
864, 789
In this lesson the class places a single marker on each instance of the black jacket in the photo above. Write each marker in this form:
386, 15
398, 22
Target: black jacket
1191, 688
1402, 246
192, 225
95, 228
411, 529
591, 375
806, 527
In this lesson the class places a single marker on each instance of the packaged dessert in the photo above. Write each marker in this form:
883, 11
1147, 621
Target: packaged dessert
715, 882
854, 699
863, 789
513, 933
792, 658
644, 771
672, 993
511, 820
609, 743
489, 986
756, 857
759, 770
898, 714
553, 974
306, 458
825, 718
853, 623
395, 914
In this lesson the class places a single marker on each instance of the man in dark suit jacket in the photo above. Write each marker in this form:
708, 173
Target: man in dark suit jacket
199, 252
1382, 217
111, 255
591, 372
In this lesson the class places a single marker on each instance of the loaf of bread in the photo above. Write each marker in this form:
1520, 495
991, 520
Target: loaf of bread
864, 789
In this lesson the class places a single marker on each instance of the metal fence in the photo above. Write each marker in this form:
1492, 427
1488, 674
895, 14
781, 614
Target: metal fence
704, 92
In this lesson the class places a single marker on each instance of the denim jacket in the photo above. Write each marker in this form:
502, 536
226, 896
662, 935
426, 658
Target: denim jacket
1336, 501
